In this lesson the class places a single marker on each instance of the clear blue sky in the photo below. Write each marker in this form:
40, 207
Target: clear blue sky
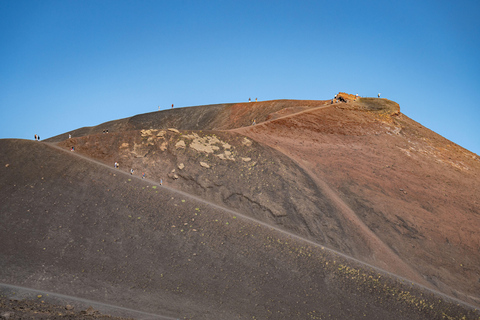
68, 64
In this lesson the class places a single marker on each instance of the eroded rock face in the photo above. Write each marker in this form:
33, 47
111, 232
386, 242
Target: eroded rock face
345, 97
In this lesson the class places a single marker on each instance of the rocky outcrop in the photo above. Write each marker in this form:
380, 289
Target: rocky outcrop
345, 97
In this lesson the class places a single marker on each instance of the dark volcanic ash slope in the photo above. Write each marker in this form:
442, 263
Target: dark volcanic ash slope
359, 177
80, 228
398, 182
228, 169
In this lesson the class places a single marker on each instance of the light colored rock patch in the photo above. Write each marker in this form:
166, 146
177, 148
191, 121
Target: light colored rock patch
139, 151
247, 159
173, 130
124, 145
278, 213
226, 155
181, 166
221, 156
205, 144
204, 164
191, 136
163, 146
148, 132
247, 142
210, 144
150, 135
180, 144
203, 147
161, 133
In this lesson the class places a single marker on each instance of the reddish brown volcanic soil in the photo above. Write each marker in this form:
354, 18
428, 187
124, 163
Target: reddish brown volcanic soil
319, 211
405, 191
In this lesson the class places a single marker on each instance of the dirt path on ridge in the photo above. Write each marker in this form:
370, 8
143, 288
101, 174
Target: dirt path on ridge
241, 129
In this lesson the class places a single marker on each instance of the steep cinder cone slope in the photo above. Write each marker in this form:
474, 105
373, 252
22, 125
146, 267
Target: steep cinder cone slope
74, 226
357, 176
410, 193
